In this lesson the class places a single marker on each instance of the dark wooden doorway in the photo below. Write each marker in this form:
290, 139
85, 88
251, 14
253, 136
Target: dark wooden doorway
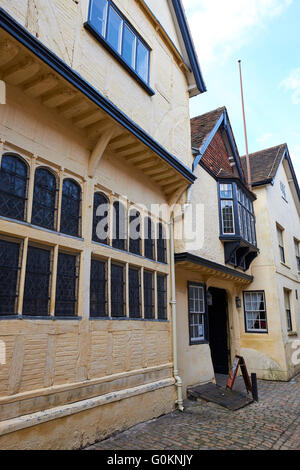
218, 335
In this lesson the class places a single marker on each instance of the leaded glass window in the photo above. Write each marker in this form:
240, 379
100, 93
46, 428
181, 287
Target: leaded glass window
197, 311
9, 274
66, 285
161, 245
70, 208
119, 226
162, 297
148, 295
100, 218
255, 312
98, 283
37, 282
117, 290
44, 199
13, 187
148, 238
134, 293
135, 232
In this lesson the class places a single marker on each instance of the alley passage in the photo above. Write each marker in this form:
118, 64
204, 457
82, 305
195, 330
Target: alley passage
273, 423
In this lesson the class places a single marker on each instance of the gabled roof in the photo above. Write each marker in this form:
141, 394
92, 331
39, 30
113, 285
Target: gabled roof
203, 130
264, 164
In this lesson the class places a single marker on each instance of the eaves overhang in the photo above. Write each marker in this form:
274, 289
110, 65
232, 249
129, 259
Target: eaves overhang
182, 175
211, 268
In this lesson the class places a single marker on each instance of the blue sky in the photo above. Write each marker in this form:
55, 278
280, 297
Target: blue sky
265, 35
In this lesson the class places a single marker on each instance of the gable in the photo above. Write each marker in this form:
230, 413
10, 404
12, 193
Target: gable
216, 157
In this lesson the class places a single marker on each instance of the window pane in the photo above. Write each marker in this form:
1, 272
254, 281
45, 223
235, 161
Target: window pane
13, 187
148, 238
117, 291
98, 15
114, 29
226, 191
98, 289
255, 311
161, 245
148, 295
36, 290
129, 46
134, 293
70, 208
135, 232
66, 285
100, 218
119, 226
44, 199
227, 216
9, 269
142, 61
161, 297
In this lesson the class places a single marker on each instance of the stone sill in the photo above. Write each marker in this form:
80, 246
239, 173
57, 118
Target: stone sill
292, 333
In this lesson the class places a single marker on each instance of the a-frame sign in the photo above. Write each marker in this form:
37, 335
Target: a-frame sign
239, 361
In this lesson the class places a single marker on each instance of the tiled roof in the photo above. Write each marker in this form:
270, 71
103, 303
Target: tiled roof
264, 164
201, 126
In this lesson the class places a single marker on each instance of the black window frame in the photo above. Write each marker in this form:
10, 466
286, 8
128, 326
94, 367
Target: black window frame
257, 330
162, 297
113, 289
135, 245
16, 270
205, 340
65, 211
134, 289
59, 282
149, 242
42, 206
147, 289
161, 244
97, 219
288, 311
10, 195
30, 275
119, 242
102, 38
103, 280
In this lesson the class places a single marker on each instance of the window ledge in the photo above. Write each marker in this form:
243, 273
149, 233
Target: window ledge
97, 36
197, 343
285, 265
292, 333
129, 319
31, 317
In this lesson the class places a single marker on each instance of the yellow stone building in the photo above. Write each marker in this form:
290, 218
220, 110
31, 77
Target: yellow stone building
95, 111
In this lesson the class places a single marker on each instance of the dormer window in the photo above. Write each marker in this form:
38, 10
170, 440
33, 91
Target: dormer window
111, 28
226, 196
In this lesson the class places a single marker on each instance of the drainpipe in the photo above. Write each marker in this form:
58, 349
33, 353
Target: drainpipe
178, 379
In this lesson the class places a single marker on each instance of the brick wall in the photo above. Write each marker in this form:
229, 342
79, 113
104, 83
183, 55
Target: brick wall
216, 157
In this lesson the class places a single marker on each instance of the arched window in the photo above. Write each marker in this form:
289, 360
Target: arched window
13, 187
161, 245
148, 238
70, 208
134, 232
119, 226
100, 218
44, 199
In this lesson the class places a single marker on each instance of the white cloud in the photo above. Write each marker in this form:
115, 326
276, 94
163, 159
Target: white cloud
265, 139
292, 83
295, 156
221, 27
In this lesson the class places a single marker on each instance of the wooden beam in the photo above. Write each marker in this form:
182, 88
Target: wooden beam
99, 150
19, 73
88, 118
73, 107
41, 86
149, 163
57, 98
8, 51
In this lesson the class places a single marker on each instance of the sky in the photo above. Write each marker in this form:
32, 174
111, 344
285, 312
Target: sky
265, 36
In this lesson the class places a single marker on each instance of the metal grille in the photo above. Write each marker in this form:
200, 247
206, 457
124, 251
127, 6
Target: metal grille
161, 297
135, 232
161, 245
70, 208
9, 269
36, 290
117, 291
98, 282
134, 293
149, 243
13, 187
119, 226
44, 199
66, 285
100, 218
148, 295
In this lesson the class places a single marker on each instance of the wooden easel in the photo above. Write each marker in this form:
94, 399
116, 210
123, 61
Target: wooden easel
239, 361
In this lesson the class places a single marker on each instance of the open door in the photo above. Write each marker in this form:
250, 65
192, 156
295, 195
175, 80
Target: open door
218, 331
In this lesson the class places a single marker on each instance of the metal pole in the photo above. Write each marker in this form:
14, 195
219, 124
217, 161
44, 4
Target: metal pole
245, 130
254, 387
